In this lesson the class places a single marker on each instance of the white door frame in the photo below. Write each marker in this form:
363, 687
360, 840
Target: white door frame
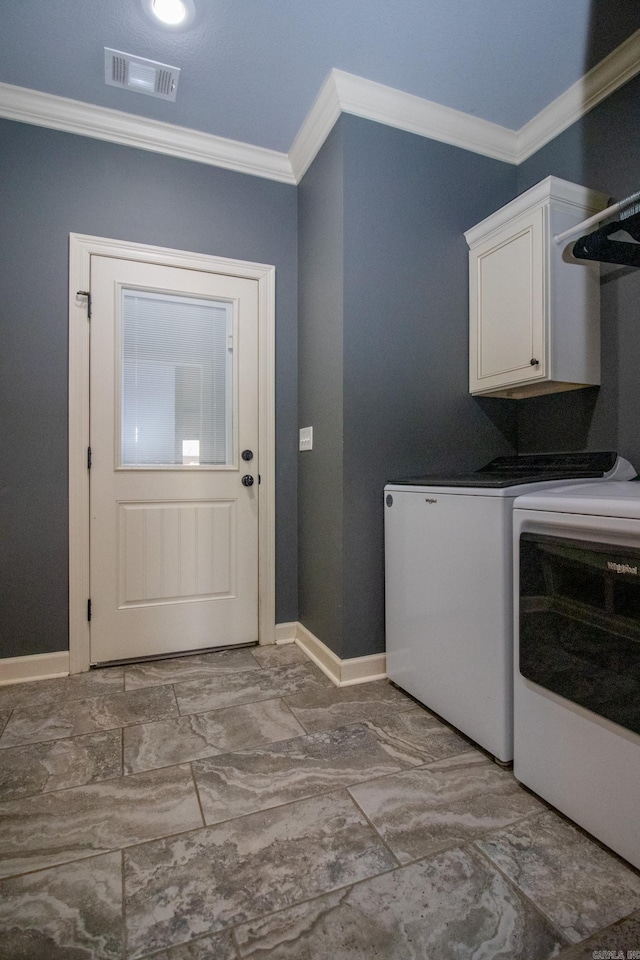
81, 248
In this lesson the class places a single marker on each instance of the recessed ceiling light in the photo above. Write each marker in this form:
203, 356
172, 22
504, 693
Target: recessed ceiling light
170, 13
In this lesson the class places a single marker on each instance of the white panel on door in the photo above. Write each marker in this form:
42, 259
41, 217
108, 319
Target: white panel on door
177, 551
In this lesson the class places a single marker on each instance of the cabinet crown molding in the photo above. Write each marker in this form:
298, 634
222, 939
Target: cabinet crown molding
551, 188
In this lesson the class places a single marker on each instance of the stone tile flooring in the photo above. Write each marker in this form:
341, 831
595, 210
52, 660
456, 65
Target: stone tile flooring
238, 805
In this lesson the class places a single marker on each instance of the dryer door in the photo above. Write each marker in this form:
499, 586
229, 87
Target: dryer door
580, 623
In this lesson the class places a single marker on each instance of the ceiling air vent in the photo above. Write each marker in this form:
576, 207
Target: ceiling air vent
140, 75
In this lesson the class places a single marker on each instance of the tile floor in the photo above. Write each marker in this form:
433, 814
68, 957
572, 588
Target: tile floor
238, 805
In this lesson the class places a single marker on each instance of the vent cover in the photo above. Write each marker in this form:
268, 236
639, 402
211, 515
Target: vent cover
140, 75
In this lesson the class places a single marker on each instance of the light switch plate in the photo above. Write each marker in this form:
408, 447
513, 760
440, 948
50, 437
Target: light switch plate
306, 438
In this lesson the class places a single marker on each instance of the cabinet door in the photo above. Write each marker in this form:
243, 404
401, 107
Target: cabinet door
507, 306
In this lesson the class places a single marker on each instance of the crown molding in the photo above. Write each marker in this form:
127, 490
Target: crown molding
620, 66
374, 101
346, 93
316, 127
102, 123
341, 93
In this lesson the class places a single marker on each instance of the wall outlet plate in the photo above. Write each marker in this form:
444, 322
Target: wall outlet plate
306, 438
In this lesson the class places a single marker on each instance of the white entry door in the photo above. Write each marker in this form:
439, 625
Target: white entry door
174, 459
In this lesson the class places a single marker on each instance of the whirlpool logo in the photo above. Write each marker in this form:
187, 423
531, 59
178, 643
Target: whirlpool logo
622, 568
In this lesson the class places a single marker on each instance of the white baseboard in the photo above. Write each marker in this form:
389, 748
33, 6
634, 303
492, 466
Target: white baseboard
343, 673
39, 666
286, 632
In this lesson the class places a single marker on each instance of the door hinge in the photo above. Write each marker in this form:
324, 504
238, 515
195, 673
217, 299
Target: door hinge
88, 458
87, 294
259, 480
89, 609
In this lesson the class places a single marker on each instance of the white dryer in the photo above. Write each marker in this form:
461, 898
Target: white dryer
448, 573
577, 656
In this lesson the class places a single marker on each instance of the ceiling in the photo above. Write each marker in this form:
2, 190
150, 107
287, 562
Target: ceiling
252, 69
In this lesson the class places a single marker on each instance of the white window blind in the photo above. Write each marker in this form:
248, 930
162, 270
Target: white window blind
176, 380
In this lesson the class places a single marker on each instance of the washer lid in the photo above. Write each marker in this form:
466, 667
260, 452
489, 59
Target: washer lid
613, 498
506, 472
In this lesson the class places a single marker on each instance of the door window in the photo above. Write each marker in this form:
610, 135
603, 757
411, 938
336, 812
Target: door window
176, 381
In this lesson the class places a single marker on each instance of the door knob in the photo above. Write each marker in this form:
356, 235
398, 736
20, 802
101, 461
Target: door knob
247, 480
247, 454
534, 362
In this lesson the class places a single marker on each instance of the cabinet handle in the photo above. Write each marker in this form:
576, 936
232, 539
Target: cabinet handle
534, 362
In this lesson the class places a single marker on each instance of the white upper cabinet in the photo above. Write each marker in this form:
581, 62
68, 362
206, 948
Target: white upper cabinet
534, 320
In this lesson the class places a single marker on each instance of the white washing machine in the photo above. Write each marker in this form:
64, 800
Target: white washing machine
577, 656
448, 578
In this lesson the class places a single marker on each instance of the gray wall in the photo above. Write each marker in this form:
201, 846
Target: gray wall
600, 151
320, 392
407, 407
405, 203
52, 184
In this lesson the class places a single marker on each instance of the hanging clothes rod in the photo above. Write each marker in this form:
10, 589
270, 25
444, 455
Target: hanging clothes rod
597, 217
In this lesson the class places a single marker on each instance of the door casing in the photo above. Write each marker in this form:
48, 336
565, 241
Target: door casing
81, 248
